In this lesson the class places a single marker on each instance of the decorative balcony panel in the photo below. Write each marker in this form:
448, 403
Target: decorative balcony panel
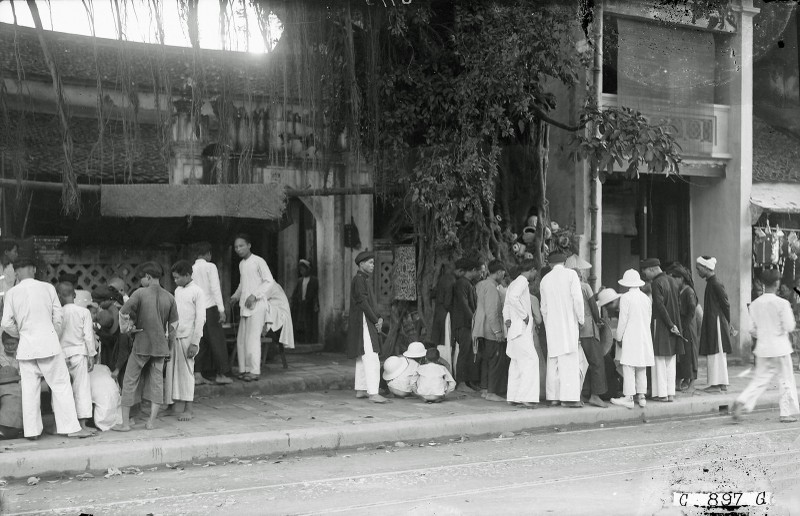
700, 129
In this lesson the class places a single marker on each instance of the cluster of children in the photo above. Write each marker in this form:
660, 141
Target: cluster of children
97, 336
419, 372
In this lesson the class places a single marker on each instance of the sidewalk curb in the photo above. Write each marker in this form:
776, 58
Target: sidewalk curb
141, 453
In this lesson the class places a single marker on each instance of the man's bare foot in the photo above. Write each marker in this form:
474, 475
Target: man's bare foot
186, 416
463, 387
32, 438
597, 402
361, 394
81, 434
121, 428
199, 380
150, 425
494, 397
377, 398
221, 379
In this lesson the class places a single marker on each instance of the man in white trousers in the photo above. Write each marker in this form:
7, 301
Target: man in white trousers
666, 328
562, 310
772, 320
635, 352
523, 372
364, 326
33, 313
254, 281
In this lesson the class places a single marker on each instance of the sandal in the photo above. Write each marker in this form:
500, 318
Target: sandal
247, 377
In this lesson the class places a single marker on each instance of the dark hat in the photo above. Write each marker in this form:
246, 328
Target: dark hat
8, 375
102, 293
24, 260
679, 271
557, 258
364, 256
650, 262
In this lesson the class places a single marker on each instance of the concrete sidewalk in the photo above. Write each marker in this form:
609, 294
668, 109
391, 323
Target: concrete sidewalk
263, 425
306, 372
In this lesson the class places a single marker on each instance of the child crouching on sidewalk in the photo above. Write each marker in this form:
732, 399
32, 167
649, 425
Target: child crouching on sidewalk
77, 342
434, 380
190, 301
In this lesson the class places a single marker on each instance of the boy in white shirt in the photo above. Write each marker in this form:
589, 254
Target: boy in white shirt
78, 344
434, 380
772, 320
190, 300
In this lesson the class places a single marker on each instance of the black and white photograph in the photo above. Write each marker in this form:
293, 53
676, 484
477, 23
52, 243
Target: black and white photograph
399, 257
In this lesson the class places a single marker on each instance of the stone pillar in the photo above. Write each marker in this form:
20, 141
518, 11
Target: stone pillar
289, 246
329, 261
720, 209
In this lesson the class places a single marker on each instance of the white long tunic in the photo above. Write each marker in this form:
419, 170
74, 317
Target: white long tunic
562, 310
255, 279
190, 301
633, 329
279, 314
517, 308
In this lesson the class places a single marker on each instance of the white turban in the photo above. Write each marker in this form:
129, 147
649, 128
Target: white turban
709, 263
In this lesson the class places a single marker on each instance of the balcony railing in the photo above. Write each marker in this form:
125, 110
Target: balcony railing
700, 129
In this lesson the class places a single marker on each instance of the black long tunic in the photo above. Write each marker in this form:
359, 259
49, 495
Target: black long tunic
362, 304
666, 314
715, 307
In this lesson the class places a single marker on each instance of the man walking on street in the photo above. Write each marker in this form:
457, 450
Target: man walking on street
33, 313
666, 328
715, 332
772, 320
562, 310
213, 356
152, 314
488, 327
364, 326
254, 281
464, 303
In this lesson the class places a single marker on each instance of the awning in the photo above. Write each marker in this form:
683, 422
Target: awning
774, 197
253, 201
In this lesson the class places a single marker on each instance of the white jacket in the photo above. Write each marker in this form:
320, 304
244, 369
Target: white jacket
633, 329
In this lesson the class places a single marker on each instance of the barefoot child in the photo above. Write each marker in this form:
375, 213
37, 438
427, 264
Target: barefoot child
77, 342
190, 300
151, 314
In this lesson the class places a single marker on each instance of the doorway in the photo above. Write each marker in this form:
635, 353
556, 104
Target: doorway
644, 218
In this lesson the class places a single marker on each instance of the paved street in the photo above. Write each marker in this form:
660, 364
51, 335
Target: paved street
630, 469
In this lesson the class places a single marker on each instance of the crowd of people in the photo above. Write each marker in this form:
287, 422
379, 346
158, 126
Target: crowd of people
101, 353
537, 335
544, 335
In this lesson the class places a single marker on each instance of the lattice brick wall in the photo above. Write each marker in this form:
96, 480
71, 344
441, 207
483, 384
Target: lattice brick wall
92, 275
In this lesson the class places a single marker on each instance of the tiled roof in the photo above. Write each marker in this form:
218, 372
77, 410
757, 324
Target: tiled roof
44, 156
74, 54
776, 154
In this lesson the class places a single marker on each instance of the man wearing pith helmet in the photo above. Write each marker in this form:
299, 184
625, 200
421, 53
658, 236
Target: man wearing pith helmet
363, 330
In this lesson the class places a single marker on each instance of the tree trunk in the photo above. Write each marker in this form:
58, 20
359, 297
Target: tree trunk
540, 148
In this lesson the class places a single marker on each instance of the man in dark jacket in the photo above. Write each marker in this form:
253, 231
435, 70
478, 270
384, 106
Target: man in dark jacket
666, 327
364, 326
464, 303
716, 330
